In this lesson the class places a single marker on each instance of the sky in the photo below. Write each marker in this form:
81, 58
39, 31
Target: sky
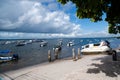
21, 19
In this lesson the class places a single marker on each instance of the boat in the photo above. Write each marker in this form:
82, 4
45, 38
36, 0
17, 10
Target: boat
43, 43
7, 42
28, 42
60, 42
21, 43
5, 56
57, 47
71, 43
102, 47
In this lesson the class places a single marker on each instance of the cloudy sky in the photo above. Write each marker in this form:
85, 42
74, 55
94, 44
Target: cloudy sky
45, 19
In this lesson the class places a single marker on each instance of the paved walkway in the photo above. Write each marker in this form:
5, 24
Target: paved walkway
90, 67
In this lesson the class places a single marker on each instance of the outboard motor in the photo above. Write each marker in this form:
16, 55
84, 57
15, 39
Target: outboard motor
15, 57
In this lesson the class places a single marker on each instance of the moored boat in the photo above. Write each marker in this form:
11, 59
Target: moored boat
21, 43
71, 43
57, 47
101, 47
5, 56
43, 43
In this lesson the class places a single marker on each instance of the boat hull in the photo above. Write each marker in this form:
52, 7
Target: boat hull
97, 50
95, 53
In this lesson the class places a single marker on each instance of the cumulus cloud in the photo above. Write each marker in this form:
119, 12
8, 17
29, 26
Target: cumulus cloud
35, 17
41, 19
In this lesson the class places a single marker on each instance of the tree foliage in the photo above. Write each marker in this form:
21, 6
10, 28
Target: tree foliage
94, 9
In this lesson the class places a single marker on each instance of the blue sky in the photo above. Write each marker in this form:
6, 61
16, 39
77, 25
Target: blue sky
45, 19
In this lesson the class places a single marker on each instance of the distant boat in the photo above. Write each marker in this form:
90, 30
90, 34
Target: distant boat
8, 42
57, 47
60, 43
43, 43
29, 42
71, 43
103, 46
5, 56
20, 44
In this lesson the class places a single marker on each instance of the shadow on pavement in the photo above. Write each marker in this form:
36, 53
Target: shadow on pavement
107, 66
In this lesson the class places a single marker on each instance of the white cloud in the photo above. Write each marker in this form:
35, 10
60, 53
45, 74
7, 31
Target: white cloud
37, 18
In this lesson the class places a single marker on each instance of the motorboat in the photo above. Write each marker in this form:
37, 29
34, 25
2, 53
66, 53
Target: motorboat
5, 56
20, 44
103, 46
60, 42
71, 43
28, 42
57, 48
43, 43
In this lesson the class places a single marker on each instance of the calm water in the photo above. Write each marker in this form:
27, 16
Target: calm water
32, 54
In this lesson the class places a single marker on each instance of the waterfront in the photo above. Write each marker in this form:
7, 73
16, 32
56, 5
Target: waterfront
89, 67
32, 54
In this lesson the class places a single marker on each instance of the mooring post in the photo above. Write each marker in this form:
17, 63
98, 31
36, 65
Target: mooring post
79, 56
56, 53
49, 56
73, 54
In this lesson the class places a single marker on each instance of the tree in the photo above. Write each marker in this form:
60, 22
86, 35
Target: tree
94, 9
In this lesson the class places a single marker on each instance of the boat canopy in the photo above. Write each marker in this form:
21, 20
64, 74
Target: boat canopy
5, 51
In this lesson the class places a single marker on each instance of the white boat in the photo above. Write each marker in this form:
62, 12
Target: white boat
60, 42
28, 42
7, 42
71, 43
103, 46
43, 43
57, 47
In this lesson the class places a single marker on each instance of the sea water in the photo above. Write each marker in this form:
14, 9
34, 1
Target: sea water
32, 54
